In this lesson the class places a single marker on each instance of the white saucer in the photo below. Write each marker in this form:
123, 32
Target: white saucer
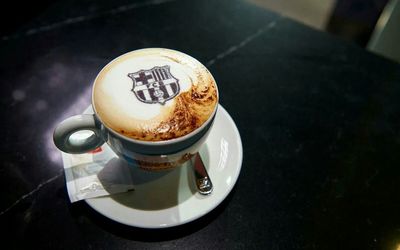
169, 199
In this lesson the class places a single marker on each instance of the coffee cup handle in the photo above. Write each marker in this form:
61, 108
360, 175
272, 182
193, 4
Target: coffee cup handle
64, 131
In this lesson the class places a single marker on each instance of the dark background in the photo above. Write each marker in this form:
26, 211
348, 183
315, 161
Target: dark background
353, 20
15, 16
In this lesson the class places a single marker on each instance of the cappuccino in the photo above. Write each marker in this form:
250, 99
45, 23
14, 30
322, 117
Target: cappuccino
154, 94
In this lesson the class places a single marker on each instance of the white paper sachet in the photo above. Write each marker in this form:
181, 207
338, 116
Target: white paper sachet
95, 174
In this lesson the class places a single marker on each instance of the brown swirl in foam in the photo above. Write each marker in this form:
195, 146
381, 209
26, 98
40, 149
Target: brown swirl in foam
192, 108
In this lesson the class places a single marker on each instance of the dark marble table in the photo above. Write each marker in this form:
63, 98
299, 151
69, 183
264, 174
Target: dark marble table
319, 120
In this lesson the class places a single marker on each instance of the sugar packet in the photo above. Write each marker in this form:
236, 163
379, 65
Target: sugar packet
97, 173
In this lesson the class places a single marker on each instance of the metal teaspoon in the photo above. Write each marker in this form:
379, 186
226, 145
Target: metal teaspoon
203, 181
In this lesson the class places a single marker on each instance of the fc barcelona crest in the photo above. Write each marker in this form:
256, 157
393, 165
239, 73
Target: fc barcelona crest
155, 85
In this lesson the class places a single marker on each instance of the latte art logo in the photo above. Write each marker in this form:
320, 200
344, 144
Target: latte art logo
156, 85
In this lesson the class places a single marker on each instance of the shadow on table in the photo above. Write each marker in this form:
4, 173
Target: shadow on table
148, 235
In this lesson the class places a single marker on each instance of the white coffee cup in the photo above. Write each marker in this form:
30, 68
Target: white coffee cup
154, 108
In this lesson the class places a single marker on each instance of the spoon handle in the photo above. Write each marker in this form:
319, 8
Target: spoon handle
203, 181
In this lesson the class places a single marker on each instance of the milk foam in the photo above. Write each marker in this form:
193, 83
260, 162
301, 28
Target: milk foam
121, 110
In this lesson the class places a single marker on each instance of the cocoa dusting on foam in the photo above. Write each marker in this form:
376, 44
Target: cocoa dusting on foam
137, 114
191, 109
